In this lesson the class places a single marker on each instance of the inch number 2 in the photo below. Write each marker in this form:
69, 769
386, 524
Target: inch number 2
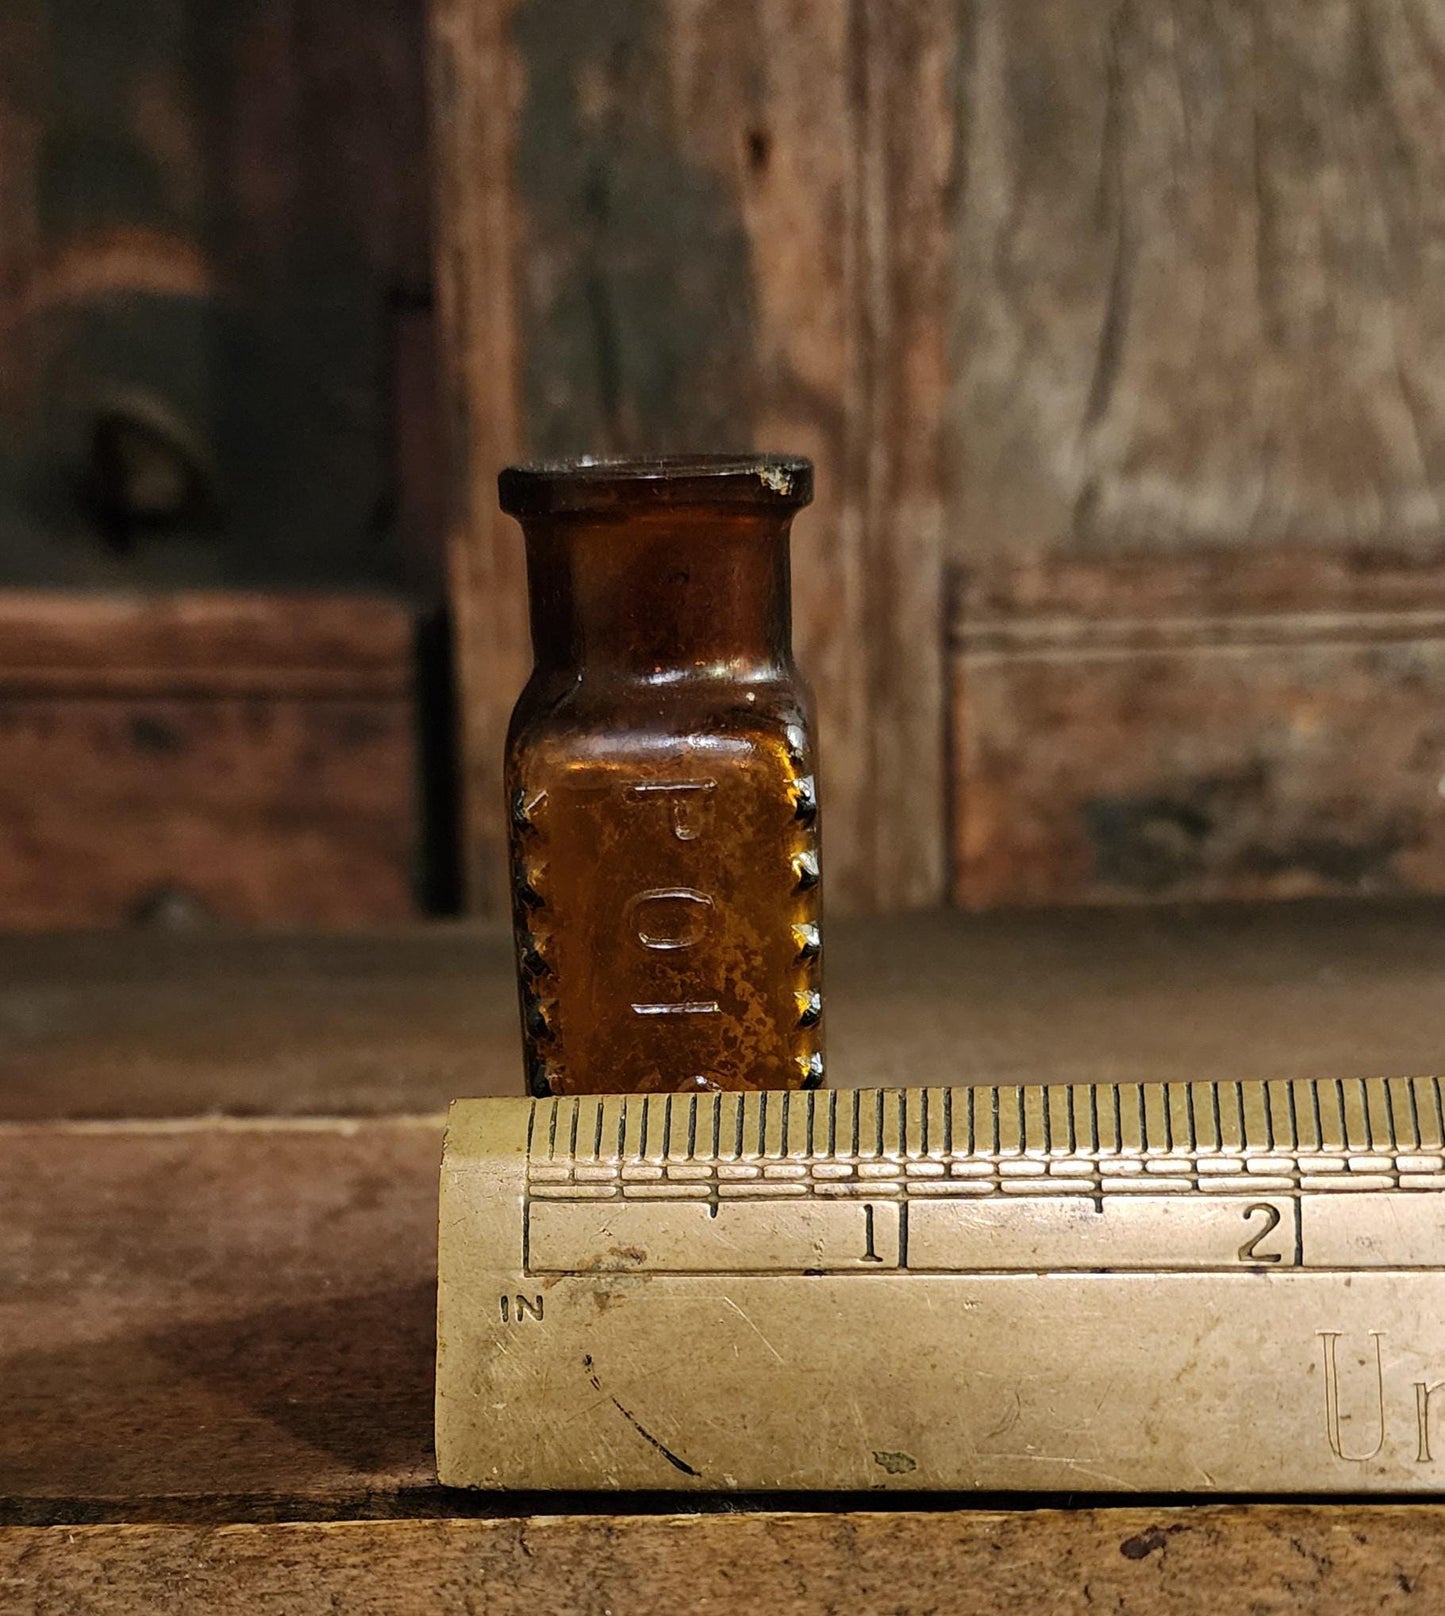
1249, 1251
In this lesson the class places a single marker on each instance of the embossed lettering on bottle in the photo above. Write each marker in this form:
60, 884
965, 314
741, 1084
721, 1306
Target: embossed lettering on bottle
664, 818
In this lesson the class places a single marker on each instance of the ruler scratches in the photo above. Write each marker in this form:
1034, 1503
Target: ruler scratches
1213, 1286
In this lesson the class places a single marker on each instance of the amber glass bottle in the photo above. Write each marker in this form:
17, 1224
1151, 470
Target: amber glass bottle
664, 819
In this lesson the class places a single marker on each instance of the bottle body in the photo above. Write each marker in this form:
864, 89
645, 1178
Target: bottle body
661, 790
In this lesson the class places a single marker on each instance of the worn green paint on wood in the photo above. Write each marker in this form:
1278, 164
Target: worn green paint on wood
213, 219
635, 279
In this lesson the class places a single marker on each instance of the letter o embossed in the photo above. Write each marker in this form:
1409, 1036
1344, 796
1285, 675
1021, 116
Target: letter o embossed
667, 918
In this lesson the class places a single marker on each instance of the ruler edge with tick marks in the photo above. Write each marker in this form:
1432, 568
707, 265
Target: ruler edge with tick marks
1361, 1117
1180, 1146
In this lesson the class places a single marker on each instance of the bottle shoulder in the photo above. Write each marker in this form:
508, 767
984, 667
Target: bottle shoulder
769, 755
575, 720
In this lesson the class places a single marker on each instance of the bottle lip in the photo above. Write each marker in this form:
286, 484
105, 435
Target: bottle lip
620, 483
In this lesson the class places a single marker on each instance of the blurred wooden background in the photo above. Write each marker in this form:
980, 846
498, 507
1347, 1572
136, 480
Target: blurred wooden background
219, 545
1115, 330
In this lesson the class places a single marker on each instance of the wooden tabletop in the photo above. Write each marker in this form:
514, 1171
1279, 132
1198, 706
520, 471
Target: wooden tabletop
217, 1225
185, 1024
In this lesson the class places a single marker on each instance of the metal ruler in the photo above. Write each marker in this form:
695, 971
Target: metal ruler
1181, 1287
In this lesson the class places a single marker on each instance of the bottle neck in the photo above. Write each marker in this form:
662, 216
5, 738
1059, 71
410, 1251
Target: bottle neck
661, 597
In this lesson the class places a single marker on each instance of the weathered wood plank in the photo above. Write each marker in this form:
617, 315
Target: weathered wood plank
1201, 584
1198, 354
199, 757
182, 1025
1198, 279
162, 811
197, 643
1272, 1560
1197, 728
906, 56
476, 87
208, 217
698, 226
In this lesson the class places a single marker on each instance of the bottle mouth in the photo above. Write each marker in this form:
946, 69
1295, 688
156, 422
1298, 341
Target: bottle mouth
622, 483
